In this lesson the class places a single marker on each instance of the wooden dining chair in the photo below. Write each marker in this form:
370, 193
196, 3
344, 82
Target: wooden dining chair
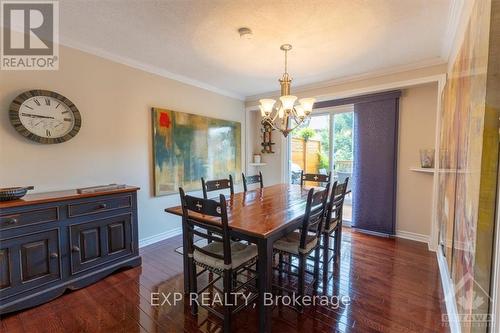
302, 242
314, 177
216, 185
333, 225
341, 191
252, 180
207, 219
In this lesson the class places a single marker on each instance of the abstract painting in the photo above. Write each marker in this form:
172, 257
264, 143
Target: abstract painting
468, 164
187, 147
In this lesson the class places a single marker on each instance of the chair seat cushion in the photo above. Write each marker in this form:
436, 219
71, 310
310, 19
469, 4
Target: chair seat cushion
290, 243
240, 254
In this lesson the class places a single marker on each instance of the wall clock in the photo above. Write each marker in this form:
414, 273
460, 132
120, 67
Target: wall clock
45, 116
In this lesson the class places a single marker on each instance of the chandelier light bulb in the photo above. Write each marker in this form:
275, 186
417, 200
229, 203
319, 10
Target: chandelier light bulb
300, 111
267, 105
307, 104
288, 101
262, 113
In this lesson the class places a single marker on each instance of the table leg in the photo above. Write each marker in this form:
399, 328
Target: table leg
265, 269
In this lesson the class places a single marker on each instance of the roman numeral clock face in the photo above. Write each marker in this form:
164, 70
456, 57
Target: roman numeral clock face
44, 116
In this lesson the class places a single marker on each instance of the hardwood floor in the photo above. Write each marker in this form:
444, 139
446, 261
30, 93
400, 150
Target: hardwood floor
393, 286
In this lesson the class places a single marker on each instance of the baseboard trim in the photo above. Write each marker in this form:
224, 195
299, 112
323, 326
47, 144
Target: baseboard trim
162, 236
412, 236
449, 293
373, 233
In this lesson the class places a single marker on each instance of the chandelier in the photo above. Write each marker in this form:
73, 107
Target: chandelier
285, 115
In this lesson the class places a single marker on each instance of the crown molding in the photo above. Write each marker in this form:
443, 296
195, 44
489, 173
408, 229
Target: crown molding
68, 42
348, 79
370, 89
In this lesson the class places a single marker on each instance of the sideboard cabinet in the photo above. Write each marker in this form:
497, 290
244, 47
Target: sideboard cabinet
51, 242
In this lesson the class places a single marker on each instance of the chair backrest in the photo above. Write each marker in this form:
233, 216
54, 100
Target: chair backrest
195, 212
334, 207
341, 188
252, 180
314, 215
217, 184
314, 177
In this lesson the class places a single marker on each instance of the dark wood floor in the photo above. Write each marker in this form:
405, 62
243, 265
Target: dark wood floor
393, 285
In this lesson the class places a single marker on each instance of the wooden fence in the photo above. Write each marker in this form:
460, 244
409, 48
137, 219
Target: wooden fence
306, 154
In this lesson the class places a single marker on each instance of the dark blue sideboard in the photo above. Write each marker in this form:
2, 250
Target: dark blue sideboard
51, 242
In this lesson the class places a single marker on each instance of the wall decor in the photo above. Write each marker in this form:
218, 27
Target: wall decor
468, 164
267, 143
45, 116
427, 158
187, 147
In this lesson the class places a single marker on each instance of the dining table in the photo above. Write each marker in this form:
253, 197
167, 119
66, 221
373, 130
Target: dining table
261, 216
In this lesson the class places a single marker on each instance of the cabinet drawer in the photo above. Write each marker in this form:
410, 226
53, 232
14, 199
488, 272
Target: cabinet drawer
98, 206
29, 217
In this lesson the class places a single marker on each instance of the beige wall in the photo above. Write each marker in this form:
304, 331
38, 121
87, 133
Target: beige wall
418, 107
417, 129
114, 143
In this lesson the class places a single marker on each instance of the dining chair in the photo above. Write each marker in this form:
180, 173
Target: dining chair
314, 177
333, 225
252, 180
216, 185
341, 190
302, 242
207, 219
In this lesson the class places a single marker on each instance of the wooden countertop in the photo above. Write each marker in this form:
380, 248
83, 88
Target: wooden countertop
39, 198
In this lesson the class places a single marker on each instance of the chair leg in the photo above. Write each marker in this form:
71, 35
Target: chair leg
338, 242
316, 266
228, 277
193, 285
280, 264
289, 268
302, 273
326, 249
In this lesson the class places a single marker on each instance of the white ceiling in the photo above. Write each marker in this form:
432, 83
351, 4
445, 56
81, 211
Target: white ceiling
196, 41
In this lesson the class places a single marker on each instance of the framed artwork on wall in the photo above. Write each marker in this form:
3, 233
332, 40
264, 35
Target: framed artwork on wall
187, 147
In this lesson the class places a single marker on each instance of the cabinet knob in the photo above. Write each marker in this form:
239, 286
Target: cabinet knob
75, 248
103, 206
12, 221
54, 255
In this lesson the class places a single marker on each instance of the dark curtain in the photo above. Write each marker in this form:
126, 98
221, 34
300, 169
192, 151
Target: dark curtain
375, 161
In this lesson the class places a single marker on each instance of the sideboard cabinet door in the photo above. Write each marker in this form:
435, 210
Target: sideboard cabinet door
96, 242
29, 261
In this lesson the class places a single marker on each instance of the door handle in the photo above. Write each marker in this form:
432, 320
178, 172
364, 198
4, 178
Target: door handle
54, 255
75, 249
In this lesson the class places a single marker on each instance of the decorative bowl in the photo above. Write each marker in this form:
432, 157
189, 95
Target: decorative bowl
13, 193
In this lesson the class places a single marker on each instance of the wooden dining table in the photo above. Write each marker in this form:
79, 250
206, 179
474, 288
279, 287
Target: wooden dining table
261, 217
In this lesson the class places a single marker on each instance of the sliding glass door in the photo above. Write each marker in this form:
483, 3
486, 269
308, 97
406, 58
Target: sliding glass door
343, 158
324, 144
